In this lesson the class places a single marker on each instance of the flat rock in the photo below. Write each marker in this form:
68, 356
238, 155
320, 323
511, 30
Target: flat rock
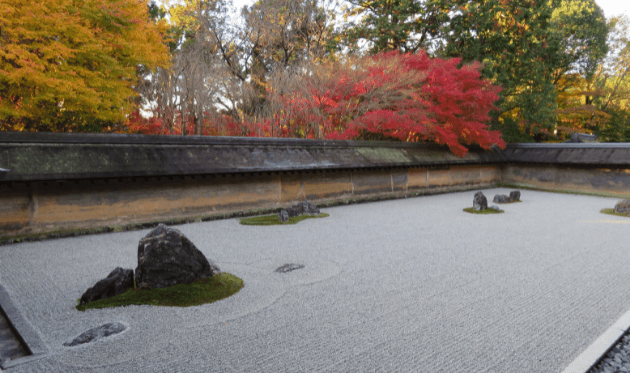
289, 267
97, 333
494, 207
302, 208
623, 207
166, 257
117, 282
501, 198
480, 202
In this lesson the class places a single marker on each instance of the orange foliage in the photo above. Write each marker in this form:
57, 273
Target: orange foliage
408, 97
73, 59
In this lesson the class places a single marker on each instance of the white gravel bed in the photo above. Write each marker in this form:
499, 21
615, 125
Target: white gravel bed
411, 285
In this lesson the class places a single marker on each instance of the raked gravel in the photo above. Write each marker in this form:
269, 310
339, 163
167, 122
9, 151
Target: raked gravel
410, 285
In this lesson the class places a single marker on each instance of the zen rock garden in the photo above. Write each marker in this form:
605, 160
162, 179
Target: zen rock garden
480, 202
291, 215
165, 258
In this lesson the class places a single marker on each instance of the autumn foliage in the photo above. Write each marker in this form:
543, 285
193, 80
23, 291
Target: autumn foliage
66, 65
391, 96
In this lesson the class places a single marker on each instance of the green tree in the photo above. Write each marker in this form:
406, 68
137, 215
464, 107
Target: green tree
71, 65
387, 25
582, 29
520, 50
613, 80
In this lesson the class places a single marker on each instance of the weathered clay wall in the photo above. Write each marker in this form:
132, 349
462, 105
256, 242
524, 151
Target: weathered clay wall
599, 168
614, 182
52, 182
42, 206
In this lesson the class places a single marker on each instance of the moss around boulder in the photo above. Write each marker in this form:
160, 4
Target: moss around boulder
274, 220
487, 211
612, 212
207, 290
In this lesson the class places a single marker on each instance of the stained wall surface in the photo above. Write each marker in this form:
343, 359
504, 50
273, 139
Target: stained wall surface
39, 206
614, 182
51, 182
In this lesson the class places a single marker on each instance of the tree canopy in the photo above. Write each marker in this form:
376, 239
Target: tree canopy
535, 70
70, 65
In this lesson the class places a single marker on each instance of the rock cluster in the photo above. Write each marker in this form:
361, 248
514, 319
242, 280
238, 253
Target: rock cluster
514, 196
302, 208
622, 207
97, 333
165, 258
501, 198
481, 203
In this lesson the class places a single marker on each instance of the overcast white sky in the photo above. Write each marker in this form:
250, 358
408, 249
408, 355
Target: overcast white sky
614, 7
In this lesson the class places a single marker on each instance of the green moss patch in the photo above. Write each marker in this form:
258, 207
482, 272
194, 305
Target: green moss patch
612, 212
207, 290
274, 220
483, 212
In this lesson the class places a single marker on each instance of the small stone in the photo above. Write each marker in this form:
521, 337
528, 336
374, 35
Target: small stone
166, 257
495, 207
623, 206
283, 216
480, 202
97, 333
501, 198
515, 195
117, 282
289, 267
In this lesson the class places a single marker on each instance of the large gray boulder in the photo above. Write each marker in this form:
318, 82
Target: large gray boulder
515, 195
623, 207
117, 282
480, 202
166, 257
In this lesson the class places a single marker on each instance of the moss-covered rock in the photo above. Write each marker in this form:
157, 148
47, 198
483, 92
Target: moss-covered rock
207, 290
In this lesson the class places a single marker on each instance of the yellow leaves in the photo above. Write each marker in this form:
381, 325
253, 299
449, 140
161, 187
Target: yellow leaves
77, 60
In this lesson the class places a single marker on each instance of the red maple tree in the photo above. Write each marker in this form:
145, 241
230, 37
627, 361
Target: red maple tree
408, 97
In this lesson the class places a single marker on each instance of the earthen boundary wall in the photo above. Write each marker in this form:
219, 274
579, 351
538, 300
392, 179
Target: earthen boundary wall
53, 182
